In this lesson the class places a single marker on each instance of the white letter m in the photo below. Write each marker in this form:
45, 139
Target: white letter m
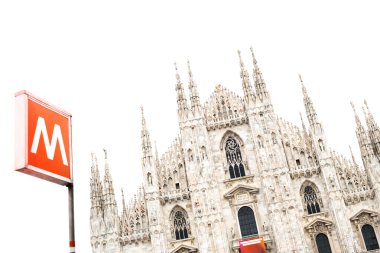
50, 147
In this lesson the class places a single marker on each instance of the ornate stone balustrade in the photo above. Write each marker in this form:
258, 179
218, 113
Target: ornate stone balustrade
304, 171
140, 235
354, 197
174, 195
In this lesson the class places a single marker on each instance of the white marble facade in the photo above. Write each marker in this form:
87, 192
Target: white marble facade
238, 170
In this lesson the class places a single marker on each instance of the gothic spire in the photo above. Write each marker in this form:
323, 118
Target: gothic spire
122, 196
183, 109
194, 95
373, 130
95, 184
156, 151
303, 124
357, 120
108, 191
260, 85
310, 111
353, 157
371, 123
107, 174
249, 96
94, 168
363, 138
145, 139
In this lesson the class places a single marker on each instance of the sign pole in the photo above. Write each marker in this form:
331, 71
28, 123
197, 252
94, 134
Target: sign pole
70, 188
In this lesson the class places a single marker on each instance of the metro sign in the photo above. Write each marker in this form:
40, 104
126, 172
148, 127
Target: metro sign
43, 139
254, 245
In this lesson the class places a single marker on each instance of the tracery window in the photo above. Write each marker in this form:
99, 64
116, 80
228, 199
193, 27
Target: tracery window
311, 200
323, 244
180, 224
369, 237
234, 158
247, 221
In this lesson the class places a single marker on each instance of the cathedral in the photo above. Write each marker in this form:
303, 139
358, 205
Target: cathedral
238, 171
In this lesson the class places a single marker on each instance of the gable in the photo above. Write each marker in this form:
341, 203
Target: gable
363, 212
240, 188
184, 249
318, 222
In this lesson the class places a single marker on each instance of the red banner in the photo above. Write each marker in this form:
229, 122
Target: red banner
255, 245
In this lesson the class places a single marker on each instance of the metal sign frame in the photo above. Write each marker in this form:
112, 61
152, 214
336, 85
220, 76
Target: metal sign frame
22, 163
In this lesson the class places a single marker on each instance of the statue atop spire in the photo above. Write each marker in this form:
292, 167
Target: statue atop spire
142, 117
105, 153
249, 96
304, 91
194, 95
106, 163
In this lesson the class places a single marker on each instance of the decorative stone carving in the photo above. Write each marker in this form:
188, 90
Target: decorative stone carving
319, 226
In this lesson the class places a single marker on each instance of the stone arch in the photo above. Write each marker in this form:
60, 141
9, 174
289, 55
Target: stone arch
232, 134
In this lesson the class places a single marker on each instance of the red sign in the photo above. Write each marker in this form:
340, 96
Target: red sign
43, 139
255, 245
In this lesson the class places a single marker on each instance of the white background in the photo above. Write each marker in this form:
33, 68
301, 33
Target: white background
100, 60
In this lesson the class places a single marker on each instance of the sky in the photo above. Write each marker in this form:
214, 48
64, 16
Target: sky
102, 60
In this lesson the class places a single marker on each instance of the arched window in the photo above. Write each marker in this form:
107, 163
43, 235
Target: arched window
323, 244
247, 221
180, 223
311, 200
369, 237
234, 159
